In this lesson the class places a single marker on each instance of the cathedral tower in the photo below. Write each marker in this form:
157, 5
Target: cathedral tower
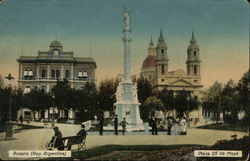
151, 48
161, 56
193, 59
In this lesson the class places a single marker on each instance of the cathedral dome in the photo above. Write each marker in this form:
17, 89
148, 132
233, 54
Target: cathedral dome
149, 61
55, 43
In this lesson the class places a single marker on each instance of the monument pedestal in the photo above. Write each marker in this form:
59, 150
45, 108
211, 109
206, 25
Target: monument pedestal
130, 111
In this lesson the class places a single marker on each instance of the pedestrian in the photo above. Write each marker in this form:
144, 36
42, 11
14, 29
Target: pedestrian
101, 125
155, 126
123, 124
21, 119
82, 132
151, 122
116, 125
170, 124
183, 126
57, 139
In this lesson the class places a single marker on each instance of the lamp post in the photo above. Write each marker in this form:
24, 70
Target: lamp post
9, 123
188, 119
53, 112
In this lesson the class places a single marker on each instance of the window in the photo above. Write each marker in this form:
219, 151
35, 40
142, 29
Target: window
80, 74
43, 73
85, 74
30, 73
53, 74
43, 88
57, 73
162, 51
162, 80
195, 70
27, 89
25, 73
66, 73
162, 69
194, 53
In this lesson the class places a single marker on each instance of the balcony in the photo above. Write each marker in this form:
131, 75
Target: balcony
32, 79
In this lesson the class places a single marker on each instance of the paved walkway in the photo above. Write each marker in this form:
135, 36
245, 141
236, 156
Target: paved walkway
36, 139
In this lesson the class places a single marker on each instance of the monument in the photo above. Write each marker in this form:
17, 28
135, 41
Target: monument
127, 104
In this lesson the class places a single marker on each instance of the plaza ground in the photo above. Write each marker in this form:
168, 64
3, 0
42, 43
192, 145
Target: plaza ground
36, 139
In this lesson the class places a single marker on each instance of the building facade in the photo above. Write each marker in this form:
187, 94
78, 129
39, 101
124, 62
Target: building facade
43, 71
156, 69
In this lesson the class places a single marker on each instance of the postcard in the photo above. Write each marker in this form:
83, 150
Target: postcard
124, 80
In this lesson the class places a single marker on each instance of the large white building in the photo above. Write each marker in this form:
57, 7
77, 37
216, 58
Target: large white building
43, 71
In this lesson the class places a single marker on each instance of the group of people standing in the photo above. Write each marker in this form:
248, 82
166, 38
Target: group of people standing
179, 127
123, 123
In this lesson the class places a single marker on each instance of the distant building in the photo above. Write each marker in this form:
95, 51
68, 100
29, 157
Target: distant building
155, 68
43, 71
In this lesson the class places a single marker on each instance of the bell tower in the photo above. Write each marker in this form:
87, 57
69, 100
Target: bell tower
193, 58
161, 56
151, 48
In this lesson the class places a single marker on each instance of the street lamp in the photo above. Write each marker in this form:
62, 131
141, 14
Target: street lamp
53, 112
188, 119
9, 123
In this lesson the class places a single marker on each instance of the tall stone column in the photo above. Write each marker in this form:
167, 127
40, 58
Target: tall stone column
127, 105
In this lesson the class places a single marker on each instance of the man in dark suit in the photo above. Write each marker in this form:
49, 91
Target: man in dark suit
116, 125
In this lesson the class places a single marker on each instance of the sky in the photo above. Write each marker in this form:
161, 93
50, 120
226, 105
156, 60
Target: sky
94, 28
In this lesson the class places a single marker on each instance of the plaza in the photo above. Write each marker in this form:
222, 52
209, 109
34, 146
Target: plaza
36, 139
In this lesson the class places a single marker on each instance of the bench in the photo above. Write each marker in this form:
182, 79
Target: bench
67, 142
72, 140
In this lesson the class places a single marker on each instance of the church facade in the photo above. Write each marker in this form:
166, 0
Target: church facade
155, 68
43, 71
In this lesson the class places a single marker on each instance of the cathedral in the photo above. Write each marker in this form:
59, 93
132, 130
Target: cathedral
155, 68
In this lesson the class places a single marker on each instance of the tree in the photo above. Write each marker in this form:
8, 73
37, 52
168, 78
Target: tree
1, 82
87, 101
229, 102
152, 104
167, 98
107, 98
244, 95
211, 100
145, 89
36, 100
183, 105
62, 93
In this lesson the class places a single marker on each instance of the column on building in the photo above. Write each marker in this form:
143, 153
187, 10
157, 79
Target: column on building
48, 76
62, 71
37, 71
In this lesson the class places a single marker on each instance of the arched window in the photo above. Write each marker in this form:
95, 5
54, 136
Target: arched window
162, 69
162, 51
195, 70
194, 53
27, 89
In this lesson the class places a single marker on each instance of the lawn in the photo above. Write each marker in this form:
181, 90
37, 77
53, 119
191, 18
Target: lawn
114, 152
224, 126
20, 127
